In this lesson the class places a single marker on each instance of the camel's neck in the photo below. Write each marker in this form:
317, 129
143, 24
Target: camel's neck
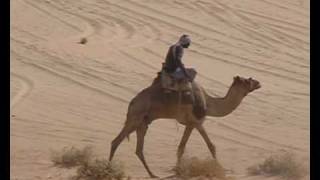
223, 106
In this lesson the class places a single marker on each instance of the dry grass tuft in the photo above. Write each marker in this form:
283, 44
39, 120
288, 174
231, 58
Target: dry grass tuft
71, 157
100, 170
282, 164
88, 168
189, 168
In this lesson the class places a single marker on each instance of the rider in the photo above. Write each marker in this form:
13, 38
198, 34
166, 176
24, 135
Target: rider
173, 63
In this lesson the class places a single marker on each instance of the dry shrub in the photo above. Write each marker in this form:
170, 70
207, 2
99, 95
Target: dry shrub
189, 168
88, 167
283, 164
100, 170
71, 157
83, 40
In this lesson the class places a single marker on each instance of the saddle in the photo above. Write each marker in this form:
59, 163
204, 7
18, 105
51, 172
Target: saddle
177, 81
189, 92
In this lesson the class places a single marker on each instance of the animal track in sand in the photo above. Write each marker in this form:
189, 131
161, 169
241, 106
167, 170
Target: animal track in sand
26, 86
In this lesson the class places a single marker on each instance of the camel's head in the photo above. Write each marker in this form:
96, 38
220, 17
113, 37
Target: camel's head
248, 85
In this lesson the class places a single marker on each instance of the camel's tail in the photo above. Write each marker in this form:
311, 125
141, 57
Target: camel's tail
134, 118
129, 125
128, 134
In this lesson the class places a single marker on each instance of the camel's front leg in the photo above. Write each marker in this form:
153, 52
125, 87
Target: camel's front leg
210, 145
184, 140
141, 132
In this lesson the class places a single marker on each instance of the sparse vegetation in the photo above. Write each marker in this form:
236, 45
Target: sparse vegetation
100, 170
71, 157
282, 164
83, 40
189, 168
89, 168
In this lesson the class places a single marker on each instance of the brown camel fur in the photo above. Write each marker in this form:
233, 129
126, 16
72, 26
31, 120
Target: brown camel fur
151, 104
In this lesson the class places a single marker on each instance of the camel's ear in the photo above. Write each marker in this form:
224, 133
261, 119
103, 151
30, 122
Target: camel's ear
236, 78
250, 78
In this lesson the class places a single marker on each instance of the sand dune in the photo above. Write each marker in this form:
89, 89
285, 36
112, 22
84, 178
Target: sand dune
64, 93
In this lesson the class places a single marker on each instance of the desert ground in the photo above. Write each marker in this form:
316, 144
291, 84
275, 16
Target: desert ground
64, 93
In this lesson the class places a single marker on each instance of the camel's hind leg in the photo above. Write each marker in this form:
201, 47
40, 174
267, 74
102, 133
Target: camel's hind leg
126, 130
141, 132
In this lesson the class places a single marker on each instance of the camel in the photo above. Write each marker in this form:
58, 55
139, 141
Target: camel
150, 104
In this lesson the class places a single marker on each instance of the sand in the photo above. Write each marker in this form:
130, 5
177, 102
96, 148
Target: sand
64, 93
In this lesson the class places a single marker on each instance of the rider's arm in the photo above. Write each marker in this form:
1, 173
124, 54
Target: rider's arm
179, 54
